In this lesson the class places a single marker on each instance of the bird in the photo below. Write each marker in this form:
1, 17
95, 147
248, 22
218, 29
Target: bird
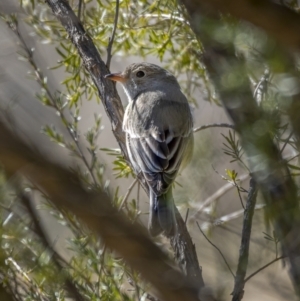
158, 125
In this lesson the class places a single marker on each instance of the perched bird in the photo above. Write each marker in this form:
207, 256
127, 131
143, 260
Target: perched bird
159, 135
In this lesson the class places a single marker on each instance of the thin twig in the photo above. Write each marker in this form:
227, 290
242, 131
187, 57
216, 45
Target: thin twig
239, 284
240, 197
111, 40
225, 188
263, 267
128, 239
213, 125
233, 215
138, 197
217, 250
286, 141
127, 193
79, 9
186, 215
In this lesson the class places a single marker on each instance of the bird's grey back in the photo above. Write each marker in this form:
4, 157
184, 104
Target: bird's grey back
156, 110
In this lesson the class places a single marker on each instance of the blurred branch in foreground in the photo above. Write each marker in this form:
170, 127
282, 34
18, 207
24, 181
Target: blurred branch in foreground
129, 240
268, 168
277, 20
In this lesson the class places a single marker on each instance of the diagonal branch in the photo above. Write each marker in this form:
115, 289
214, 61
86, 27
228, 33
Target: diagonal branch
218, 249
128, 239
239, 284
94, 65
215, 196
264, 267
214, 125
112, 38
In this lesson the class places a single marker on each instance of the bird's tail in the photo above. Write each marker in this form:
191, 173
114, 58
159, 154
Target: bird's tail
162, 214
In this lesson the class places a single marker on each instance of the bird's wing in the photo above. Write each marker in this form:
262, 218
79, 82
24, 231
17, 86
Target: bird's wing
158, 132
159, 160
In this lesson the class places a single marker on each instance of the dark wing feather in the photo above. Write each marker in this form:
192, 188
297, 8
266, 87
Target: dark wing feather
158, 160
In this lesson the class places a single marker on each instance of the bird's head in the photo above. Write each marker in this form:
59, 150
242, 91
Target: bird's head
142, 77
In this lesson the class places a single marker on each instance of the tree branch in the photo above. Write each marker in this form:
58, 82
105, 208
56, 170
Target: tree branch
79, 9
239, 284
128, 239
214, 125
127, 194
263, 267
94, 65
220, 192
220, 252
111, 40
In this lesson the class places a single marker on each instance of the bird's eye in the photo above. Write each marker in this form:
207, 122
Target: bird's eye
140, 74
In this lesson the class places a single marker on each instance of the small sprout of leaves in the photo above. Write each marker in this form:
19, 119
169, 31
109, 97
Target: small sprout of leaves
51, 132
121, 168
232, 147
274, 239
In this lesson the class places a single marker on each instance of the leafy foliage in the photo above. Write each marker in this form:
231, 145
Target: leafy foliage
32, 268
122, 169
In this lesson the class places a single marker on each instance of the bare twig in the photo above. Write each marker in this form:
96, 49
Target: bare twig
286, 141
214, 125
127, 193
233, 215
240, 197
217, 250
220, 192
263, 267
186, 215
138, 197
79, 9
111, 39
239, 284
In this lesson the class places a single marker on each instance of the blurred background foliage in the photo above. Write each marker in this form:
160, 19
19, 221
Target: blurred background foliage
32, 267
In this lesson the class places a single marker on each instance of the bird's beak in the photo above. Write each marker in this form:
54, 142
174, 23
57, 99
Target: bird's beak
117, 77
